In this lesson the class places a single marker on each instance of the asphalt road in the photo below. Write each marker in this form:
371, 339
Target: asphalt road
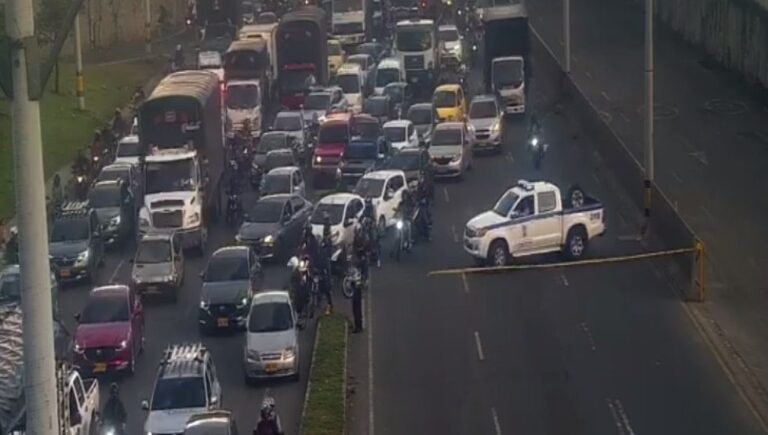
711, 136
168, 324
601, 349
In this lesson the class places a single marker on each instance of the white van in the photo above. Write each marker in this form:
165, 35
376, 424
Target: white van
390, 70
351, 80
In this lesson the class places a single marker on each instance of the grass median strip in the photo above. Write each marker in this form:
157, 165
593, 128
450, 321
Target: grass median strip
65, 128
324, 408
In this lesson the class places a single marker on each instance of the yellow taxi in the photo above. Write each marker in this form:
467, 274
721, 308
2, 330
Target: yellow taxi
450, 103
336, 56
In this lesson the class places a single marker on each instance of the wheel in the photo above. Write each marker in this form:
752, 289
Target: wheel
347, 287
575, 243
498, 253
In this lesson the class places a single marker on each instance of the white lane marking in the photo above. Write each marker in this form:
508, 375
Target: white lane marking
619, 417
605, 95
464, 282
455, 234
588, 333
495, 418
369, 327
564, 280
597, 179
621, 218
479, 347
677, 177
116, 271
700, 156
629, 238
706, 211
445, 194
575, 59
586, 73
562, 43
624, 117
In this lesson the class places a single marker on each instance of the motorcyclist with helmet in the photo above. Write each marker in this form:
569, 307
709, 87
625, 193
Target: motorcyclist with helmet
269, 421
178, 58
113, 415
405, 211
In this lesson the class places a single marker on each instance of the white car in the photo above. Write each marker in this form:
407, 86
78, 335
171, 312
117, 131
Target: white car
451, 149
401, 133
486, 119
351, 79
385, 189
344, 211
271, 339
292, 123
390, 70
532, 218
285, 179
129, 151
450, 42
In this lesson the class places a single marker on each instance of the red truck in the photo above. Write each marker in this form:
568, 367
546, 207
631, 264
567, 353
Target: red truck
332, 140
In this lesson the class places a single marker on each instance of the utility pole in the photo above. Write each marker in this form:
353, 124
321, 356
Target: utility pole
147, 26
648, 154
79, 65
567, 36
39, 359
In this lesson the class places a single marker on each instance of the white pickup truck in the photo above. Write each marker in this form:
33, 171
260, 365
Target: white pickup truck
533, 218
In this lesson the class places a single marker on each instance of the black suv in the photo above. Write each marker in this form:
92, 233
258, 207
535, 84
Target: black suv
75, 244
115, 208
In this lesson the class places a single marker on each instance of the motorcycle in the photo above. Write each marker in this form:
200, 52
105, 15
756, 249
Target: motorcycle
255, 175
353, 279
421, 220
234, 208
401, 243
111, 429
308, 281
537, 151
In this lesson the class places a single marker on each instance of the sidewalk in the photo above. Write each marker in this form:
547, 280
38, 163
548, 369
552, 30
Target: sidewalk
711, 150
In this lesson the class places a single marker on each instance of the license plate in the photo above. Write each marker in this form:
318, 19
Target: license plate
65, 273
222, 322
270, 367
100, 367
152, 288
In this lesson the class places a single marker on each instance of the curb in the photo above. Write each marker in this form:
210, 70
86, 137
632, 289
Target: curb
309, 378
344, 381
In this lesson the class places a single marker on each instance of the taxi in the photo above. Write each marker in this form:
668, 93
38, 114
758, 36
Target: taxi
450, 103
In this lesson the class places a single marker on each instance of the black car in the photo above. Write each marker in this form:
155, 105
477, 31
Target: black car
270, 141
75, 244
423, 116
401, 95
274, 224
127, 173
361, 156
115, 208
380, 107
415, 162
231, 278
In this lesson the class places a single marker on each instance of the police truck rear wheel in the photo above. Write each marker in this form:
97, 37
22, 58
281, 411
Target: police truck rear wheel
575, 243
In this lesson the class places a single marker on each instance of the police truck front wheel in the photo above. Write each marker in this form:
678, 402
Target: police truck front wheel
498, 254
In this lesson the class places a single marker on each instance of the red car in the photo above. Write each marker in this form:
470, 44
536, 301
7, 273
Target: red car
110, 330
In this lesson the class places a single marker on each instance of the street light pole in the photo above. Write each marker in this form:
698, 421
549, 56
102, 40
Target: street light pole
147, 26
567, 36
39, 359
649, 114
79, 65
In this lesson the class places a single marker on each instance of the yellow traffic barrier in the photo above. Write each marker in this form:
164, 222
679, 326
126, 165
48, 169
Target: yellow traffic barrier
618, 259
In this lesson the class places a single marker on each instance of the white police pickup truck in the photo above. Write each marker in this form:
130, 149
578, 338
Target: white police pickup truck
532, 218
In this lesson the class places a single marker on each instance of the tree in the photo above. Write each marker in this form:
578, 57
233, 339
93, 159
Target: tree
48, 24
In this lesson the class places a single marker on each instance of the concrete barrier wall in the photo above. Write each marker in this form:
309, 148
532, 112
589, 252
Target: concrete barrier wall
734, 32
665, 222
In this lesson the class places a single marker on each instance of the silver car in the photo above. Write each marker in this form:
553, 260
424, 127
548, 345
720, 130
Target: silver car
158, 266
485, 118
272, 337
292, 123
451, 149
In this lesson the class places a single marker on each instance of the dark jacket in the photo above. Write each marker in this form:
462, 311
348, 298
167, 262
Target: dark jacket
114, 412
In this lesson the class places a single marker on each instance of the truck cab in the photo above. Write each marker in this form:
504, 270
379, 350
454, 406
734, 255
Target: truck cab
348, 18
416, 46
508, 83
351, 80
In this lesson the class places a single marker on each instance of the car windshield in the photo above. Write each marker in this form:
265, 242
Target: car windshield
404, 161
271, 142
112, 174
376, 107
448, 35
104, 197
444, 99
242, 96
153, 251
334, 211
394, 134
317, 101
483, 109
129, 149
288, 123
276, 159
10, 287
270, 317
176, 176
368, 130
349, 83
446, 136
105, 308
508, 73
413, 40
386, 76
361, 151
334, 49
178, 393
265, 212
333, 134
227, 268
369, 187
70, 230
293, 81
505, 203
276, 183
420, 116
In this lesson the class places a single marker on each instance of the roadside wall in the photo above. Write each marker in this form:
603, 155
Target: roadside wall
734, 32
107, 22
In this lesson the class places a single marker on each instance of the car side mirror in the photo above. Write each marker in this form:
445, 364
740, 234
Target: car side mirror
145, 405
214, 400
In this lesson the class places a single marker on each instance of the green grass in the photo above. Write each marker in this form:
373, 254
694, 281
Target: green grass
324, 413
65, 129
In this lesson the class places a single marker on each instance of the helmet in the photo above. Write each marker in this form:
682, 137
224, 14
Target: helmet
178, 47
114, 389
267, 407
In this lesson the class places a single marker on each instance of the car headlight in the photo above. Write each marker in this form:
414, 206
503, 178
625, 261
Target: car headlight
252, 354
115, 221
123, 344
78, 348
399, 225
481, 232
238, 238
456, 158
456, 49
143, 222
203, 305
269, 240
83, 256
289, 353
496, 127
194, 219
242, 302
318, 159
338, 173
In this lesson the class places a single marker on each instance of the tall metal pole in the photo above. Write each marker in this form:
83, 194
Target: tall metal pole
147, 26
567, 35
39, 360
79, 65
648, 154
